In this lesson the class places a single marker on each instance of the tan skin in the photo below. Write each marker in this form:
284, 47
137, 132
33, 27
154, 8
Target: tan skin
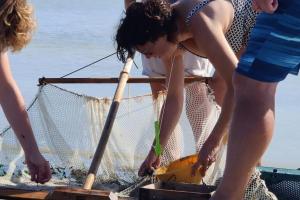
210, 27
268, 6
13, 106
217, 84
128, 2
252, 125
234, 170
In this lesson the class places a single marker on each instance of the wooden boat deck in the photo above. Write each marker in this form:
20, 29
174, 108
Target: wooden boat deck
57, 193
158, 191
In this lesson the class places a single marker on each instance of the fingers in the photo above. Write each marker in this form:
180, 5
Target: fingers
201, 166
48, 172
44, 174
145, 169
33, 175
204, 167
41, 173
32, 171
148, 167
211, 160
156, 164
269, 6
195, 167
141, 170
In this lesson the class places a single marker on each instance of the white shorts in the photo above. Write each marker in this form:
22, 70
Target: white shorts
193, 66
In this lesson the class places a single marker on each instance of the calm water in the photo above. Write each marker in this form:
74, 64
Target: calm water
71, 34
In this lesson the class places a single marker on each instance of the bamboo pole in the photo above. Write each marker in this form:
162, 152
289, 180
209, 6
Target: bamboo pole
43, 81
124, 75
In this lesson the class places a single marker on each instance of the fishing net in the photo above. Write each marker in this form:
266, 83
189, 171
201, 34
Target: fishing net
285, 183
68, 126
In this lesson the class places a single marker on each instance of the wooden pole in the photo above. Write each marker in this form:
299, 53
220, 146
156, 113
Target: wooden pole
43, 81
108, 125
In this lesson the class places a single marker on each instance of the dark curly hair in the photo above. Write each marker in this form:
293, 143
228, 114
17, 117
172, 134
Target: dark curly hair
145, 22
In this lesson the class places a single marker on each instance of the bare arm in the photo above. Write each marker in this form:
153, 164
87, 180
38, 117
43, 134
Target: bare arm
174, 101
219, 88
170, 113
208, 28
13, 106
128, 2
156, 88
219, 85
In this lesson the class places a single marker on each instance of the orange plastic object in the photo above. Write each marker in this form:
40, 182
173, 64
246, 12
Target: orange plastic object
179, 171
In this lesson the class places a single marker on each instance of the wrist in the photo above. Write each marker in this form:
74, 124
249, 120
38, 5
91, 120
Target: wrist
216, 138
153, 152
32, 152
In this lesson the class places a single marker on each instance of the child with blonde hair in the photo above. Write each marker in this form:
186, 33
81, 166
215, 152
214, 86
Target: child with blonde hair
16, 28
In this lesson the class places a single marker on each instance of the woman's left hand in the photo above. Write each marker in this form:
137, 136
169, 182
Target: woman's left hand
150, 164
207, 155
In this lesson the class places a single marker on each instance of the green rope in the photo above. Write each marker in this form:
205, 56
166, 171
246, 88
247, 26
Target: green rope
157, 147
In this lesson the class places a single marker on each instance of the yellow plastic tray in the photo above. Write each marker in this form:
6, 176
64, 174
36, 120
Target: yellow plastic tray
179, 171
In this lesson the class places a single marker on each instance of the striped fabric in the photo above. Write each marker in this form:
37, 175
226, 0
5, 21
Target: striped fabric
274, 47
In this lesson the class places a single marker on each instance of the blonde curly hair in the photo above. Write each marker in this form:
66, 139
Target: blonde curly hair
16, 24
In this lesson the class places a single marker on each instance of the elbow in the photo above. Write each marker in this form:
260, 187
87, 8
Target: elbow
6, 89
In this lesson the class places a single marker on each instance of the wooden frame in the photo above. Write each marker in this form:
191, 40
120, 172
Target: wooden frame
44, 80
56, 194
175, 191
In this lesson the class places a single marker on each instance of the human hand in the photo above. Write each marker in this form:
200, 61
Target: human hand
38, 167
207, 155
150, 164
268, 6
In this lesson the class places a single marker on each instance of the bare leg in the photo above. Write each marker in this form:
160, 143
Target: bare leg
251, 131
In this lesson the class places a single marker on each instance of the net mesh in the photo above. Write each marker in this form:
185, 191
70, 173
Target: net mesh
68, 126
285, 183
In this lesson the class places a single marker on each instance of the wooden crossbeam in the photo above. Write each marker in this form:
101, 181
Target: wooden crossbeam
175, 191
115, 80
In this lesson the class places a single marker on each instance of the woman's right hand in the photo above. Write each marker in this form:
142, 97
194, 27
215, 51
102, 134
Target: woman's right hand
38, 167
268, 6
207, 155
150, 164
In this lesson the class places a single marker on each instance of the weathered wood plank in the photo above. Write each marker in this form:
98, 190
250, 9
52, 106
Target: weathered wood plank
175, 191
79, 193
187, 187
57, 193
116, 80
6, 193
